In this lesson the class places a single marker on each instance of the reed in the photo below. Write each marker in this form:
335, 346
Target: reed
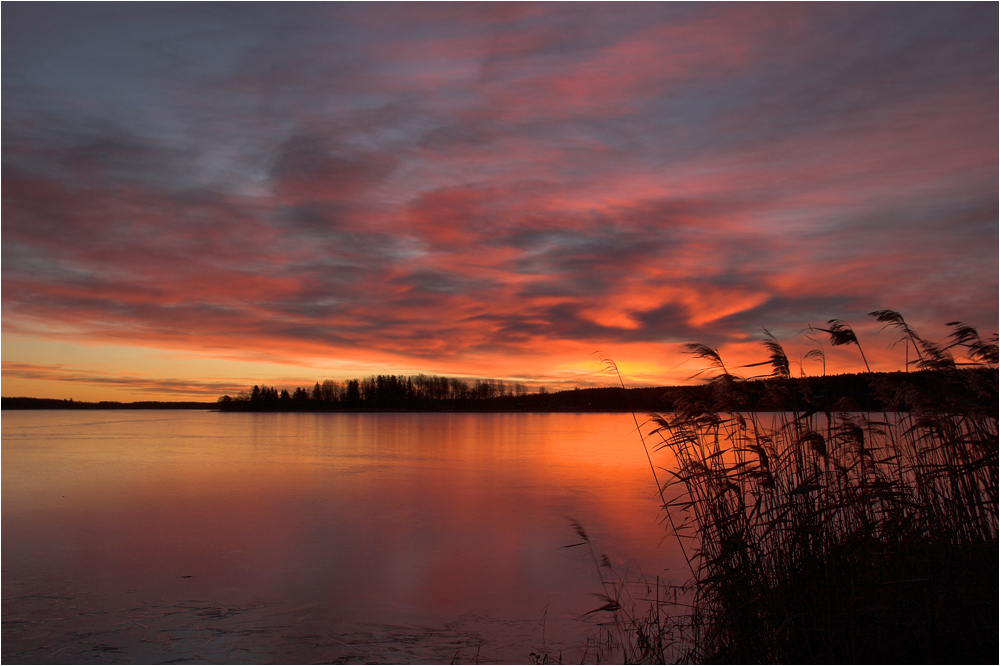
823, 535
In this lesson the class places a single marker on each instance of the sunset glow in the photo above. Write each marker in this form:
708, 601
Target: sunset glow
201, 197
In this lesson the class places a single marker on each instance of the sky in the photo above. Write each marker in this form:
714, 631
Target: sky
202, 197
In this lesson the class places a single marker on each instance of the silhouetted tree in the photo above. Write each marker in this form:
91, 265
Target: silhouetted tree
329, 391
352, 394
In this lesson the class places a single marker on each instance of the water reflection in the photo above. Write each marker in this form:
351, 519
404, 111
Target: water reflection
363, 519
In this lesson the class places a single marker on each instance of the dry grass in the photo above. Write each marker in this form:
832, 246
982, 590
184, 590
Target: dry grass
828, 536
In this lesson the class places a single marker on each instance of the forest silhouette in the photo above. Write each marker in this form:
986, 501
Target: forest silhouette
849, 392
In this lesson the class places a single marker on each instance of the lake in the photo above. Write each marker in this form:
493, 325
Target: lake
153, 537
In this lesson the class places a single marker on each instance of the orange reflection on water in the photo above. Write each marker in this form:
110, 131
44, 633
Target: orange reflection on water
371, 517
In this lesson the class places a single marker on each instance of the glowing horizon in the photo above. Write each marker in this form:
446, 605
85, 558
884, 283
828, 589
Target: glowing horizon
197, 199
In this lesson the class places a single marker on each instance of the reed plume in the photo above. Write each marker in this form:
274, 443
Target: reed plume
841, 334
910, 337
835, 536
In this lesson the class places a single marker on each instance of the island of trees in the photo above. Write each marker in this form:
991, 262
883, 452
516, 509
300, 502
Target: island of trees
384, 392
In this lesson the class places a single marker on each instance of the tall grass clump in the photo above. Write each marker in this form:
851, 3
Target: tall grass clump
820, 534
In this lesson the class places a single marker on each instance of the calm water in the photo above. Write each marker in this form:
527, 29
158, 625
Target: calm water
161, 536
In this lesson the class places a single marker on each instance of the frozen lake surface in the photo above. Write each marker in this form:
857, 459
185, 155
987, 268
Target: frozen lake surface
155, 537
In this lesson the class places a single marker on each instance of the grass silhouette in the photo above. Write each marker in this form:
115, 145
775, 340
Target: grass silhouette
826, 535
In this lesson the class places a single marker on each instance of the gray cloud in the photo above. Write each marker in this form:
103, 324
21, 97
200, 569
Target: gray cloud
339, 176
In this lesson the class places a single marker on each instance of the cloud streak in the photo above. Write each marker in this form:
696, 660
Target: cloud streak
176, 388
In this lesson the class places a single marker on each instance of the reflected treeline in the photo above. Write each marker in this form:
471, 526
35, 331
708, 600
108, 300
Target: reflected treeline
401, 392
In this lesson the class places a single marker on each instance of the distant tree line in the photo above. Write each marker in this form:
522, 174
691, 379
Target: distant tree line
374, 392
847, 392
55, 403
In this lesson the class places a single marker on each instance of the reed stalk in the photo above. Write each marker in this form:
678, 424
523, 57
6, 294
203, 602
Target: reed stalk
827, 535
